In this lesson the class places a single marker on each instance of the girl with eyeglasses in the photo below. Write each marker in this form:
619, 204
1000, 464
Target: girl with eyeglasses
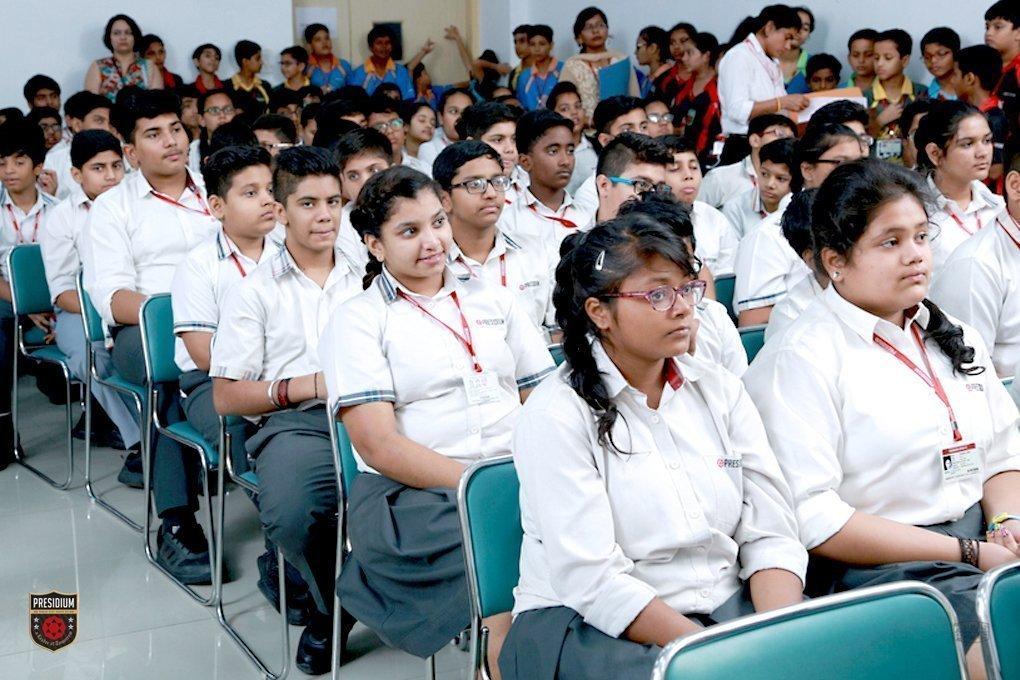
650, 500
898, 440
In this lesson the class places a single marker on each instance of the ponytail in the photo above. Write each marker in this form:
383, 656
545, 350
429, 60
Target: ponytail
949, 337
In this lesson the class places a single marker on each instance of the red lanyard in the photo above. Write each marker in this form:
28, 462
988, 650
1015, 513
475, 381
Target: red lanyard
17, 228
772, 67
237, 263
177, 204
464, 340
502, 268
562, 220
1006, 229
959, 222
929, 378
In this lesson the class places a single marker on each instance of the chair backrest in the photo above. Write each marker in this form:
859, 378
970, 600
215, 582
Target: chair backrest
557, 353
753, 339
998, 607
490, 523
156, 319
344, 452
724, 286
888, 632
1008, 382
29, 292
89, 314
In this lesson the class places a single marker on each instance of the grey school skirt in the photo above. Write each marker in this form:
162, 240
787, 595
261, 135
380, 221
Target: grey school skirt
556, 644
957, 581
404, 577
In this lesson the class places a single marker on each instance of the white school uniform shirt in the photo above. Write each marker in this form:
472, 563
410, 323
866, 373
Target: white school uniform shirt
428, 151
60, 241
746, 75
723, 182
745, 211
980, 285
586, 160
525, 267
718, 340
958, 225
767, 267
792, 305
18, 226
715, 238
348, 241
407, 160
273, 318
587, 196
520, 180
195, 157
529, 218
379, 347
134, 240
696, 505
200, 286
58, 159
856, 429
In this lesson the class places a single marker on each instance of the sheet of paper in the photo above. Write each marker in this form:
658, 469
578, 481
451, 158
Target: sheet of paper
819, 99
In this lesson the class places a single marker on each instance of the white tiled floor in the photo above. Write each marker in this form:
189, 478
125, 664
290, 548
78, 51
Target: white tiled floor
134, 623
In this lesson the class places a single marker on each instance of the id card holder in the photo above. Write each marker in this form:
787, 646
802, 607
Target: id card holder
482, 387
960, 463
888, 148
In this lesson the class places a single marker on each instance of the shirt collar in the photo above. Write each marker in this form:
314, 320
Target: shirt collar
371, 70
39, 204
678, 371
981, 197
879, 94
283, 263
502, 245
390, 288
866, 324
78, 197
224, 248
143, 188
530, 199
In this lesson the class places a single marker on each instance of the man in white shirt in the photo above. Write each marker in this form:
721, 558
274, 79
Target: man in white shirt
726, 181
359, 154
83, 111
451, 104
137, 234
384, 116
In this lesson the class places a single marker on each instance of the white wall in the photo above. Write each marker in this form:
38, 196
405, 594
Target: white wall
61, 37
836, 20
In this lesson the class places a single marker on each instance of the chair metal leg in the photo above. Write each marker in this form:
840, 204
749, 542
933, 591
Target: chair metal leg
430, 667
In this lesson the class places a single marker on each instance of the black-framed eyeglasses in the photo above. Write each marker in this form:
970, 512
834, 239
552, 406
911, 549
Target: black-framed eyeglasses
478, 185
395, 124
642, 186
663, 298
656, 118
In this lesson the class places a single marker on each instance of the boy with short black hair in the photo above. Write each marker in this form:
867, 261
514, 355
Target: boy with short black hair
939, 48
384, 116
189, 109
215, 108
41, 90
566, 101
293, 64
496, 125
980, 70
1002, 33
359, 155
379, 67
452, 104
539, 78
82, 111
49, 121
861, 57
206, 59
265, 363
284, 102
892, 89
274, 133
522, 47
629, 166
248, 55
823, 72
776, 175
726, 181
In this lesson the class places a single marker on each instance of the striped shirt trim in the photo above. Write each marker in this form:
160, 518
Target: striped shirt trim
533, 379
367, 397
755, 301
389, 292
186, 326
232, 373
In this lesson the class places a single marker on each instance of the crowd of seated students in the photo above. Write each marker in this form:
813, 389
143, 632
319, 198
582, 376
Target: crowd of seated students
360, 240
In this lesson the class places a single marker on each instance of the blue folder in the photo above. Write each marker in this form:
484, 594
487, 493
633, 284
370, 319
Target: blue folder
614, 79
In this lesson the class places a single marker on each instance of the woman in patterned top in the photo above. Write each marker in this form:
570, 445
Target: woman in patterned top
124, 67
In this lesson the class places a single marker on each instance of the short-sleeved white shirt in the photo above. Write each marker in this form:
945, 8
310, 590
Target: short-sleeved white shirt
58, 159
715, 239
958, 225
722, 183
18, 226
767, 266
745, 211
746, 75
528, 217
718, 340
60, 241
792, 305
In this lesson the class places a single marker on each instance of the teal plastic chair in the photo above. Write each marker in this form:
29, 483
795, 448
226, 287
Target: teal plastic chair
724, 286
93, 327
31, 295
753, 339
557, 353
998, 609
888, 632
1007, 382
161, 372
490, 523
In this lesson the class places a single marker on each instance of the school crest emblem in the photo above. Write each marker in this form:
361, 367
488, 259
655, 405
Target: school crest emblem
53, 619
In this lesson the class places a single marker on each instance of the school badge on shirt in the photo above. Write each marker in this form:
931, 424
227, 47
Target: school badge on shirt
53, 619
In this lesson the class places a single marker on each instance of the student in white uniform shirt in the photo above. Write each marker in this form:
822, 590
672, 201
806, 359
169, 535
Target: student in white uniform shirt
980, 282
723, 182
82, 111
97, 165
360, 154
898, 440
630, 165
384, 116
496, 125
954, 145
651, 502
776, 177
429, 372
471, 177
451, 104
215, 108
613, 116
137, 234
265, 363
767, 267
715, 235
565, 100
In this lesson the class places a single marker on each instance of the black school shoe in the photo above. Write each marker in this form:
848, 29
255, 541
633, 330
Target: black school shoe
104, 432
6, 441
131, 472
185, 554
315, 649
299, 600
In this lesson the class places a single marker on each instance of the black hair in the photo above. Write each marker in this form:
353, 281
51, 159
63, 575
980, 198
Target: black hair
781, 16
594, 264
561, 88
11, 113
861, 34
744, 27
235, 133
476, 119
312, 29
759, 124
295, 164
220, 168
658, 37
840, 112
707, 42
822, 61
676, 144
363, 141
382, 90
445, 97
310, 91
147, 41
984, 62
665, 209
918, 107
904, 43
796, 221
521, 28
327, 133
611, 108
453, 157
540, 31
846, 202
782, 152
308, 112
37, 113
811, 15
136, 104
685, 27
410, 109
378, 103
630, 147
380, 31
582, 18
296, 52
282, 126
207, 46
534, 124
330, 121
22, 138
347, 92
281, 98
816, 141
188, 90
939, 127
375, 203
36, 83
88, 144
245, 49
942, 35
1006, 10
132, 26
208, 94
